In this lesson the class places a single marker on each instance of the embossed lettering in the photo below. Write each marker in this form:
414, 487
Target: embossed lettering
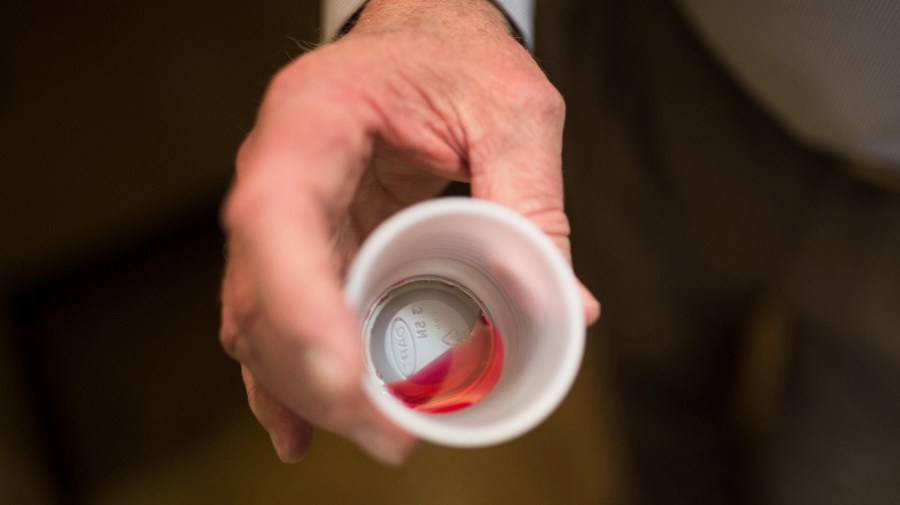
402, 348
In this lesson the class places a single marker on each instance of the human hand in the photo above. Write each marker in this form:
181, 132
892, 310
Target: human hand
417, 94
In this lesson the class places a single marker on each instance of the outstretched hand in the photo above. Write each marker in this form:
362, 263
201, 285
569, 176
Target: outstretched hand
416, 95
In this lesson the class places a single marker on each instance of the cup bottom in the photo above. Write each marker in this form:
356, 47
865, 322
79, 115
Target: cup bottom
433, 345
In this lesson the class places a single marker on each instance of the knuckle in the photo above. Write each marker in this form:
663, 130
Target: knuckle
238, 313
236, 345
549, 101
232, 210
288, 78
240, 206
316, 73
242, 157
538, 94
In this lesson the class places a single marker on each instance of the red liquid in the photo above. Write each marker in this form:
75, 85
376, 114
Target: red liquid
460, 377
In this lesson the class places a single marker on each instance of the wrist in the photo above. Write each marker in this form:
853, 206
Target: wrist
452, 18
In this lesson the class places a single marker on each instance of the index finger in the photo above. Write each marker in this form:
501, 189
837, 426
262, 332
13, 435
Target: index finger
296, 335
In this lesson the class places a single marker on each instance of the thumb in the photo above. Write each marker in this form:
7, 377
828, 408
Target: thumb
527, 178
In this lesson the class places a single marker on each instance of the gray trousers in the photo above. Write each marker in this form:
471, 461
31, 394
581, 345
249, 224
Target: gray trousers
750, 284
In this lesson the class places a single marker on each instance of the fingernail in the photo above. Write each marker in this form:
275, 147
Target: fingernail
283, 449
280, 449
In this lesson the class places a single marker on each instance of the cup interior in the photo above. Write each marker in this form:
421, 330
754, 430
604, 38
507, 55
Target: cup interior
524, 284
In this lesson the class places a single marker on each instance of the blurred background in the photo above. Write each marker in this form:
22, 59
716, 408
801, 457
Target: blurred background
119, 123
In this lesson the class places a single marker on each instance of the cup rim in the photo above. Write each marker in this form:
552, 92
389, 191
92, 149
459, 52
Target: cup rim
439, 428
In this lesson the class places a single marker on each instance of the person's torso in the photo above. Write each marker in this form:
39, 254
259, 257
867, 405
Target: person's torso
829, 69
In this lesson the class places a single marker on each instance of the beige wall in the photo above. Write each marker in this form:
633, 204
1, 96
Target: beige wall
117, 119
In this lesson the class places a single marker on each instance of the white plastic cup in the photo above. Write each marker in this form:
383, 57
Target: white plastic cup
519, 277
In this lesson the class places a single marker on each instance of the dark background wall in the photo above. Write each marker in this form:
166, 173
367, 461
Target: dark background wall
118, 126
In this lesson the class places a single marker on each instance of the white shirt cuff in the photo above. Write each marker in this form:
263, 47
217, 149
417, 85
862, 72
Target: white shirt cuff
336, 13
521, 14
